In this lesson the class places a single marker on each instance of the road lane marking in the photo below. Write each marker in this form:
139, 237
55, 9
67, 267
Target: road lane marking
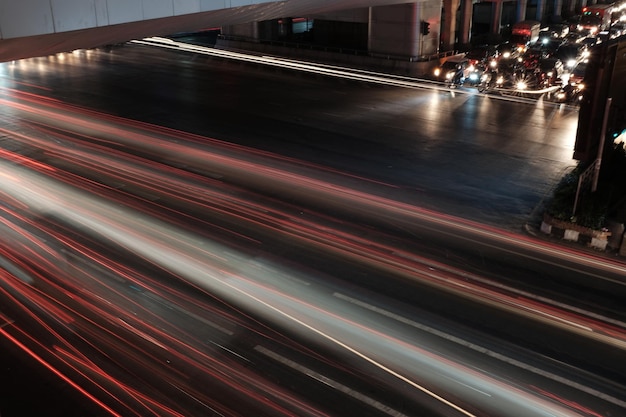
483, 350
330, 382
232, 352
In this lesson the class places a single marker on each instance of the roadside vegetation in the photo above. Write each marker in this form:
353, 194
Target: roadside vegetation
593, 208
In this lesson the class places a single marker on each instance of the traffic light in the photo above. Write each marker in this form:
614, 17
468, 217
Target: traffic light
425, 28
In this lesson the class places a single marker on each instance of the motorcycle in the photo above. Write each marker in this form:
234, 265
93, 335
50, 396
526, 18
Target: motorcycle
569, 93
455, 78
489, 80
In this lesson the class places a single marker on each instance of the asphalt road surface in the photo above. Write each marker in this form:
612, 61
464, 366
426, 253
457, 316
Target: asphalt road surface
354, 165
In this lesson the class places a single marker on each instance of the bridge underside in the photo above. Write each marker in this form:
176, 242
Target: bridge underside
30, 31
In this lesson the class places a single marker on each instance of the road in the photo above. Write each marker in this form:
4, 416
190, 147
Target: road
334, 285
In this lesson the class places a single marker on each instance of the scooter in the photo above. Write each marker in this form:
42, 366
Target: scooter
455, 78
489, 80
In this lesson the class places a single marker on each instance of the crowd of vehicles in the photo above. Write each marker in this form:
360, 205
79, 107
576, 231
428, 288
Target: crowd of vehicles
537, 60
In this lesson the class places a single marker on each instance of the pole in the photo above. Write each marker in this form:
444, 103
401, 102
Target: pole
605, 121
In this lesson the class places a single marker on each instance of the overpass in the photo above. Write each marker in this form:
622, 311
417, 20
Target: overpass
30, 28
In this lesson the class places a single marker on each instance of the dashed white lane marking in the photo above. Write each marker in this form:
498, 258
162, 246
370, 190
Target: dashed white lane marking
483, 350
330, 382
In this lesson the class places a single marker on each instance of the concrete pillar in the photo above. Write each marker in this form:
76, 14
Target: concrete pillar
541, 6
448, 29
558, 6
396, 29
521, 10
571, 7
496, 16
465, 27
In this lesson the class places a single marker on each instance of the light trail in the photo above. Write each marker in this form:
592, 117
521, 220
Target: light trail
207, 264
180, 252
336, 71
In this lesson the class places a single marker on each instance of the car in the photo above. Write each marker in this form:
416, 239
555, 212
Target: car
590, 41
507, 50
482, 54
577, 74
545, 48
570, 53
558, 30
616, 31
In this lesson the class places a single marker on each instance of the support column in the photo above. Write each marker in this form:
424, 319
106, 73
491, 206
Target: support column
541, 6
448, 31
558, 7
496, 16
521, 9
465, 27
397, 29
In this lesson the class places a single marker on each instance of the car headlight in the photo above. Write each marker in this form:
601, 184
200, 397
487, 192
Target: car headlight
521, 85
449, 75
473, 76
437, 72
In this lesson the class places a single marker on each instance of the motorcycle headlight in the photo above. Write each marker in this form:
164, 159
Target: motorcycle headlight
473, 76
449, 75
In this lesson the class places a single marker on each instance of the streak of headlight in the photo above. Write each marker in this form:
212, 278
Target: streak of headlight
335, 71
56, 372
153, 178
178, 252
284, 181
98, 338
345, 73
318, 190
